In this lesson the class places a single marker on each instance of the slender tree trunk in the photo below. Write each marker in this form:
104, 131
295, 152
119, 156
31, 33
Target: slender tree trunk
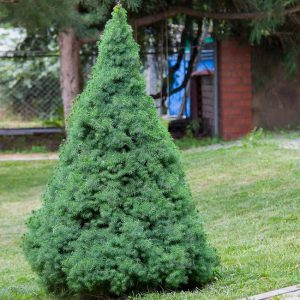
70, 71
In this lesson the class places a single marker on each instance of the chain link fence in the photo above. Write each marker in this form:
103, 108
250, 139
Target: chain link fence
30, 93
29, 89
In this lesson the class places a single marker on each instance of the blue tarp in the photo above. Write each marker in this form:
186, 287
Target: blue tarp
174, 102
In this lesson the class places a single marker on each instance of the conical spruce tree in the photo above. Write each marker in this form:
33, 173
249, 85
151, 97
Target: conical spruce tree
117, 215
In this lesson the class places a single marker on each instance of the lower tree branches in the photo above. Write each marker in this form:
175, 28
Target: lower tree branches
175, 10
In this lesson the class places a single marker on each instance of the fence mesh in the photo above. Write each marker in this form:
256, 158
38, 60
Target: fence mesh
30, 93
30, 89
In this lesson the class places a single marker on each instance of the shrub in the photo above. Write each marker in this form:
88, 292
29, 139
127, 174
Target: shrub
117, 215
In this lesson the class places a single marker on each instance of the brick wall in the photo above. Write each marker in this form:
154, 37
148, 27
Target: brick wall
235, 89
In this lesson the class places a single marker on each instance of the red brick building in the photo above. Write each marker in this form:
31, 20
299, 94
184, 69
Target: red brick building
235, 89
223, 101
248, 89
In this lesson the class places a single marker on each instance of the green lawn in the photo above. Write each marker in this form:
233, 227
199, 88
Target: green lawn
249, 199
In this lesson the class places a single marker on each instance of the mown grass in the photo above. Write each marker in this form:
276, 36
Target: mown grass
21, 185
249, 198
10, 121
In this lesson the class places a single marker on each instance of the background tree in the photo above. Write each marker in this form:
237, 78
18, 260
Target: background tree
76, 22
118, 215
30, 75
79, 21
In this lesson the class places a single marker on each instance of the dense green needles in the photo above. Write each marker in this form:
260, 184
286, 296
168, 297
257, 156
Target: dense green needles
118, 215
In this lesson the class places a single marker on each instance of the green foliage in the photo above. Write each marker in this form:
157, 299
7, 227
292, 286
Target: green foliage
267, 26
277, 29
57, 120
33, 81
192, 128
165, 122
253, 138
88, 17
33, 149
291, 59
118, 215
188, 142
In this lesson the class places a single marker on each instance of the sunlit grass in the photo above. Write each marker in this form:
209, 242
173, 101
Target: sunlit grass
249, 199
21, 185
18, 122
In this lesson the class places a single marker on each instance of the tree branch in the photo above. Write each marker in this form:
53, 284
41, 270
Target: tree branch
173, 11
184, 35
163, 93
186, 77
90, 40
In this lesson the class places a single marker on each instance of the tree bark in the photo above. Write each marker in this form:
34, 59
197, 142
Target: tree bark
70, 71
175, 10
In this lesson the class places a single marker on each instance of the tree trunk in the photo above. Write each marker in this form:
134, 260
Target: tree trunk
70, 71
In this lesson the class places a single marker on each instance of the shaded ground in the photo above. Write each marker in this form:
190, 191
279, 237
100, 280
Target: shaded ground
248, 195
